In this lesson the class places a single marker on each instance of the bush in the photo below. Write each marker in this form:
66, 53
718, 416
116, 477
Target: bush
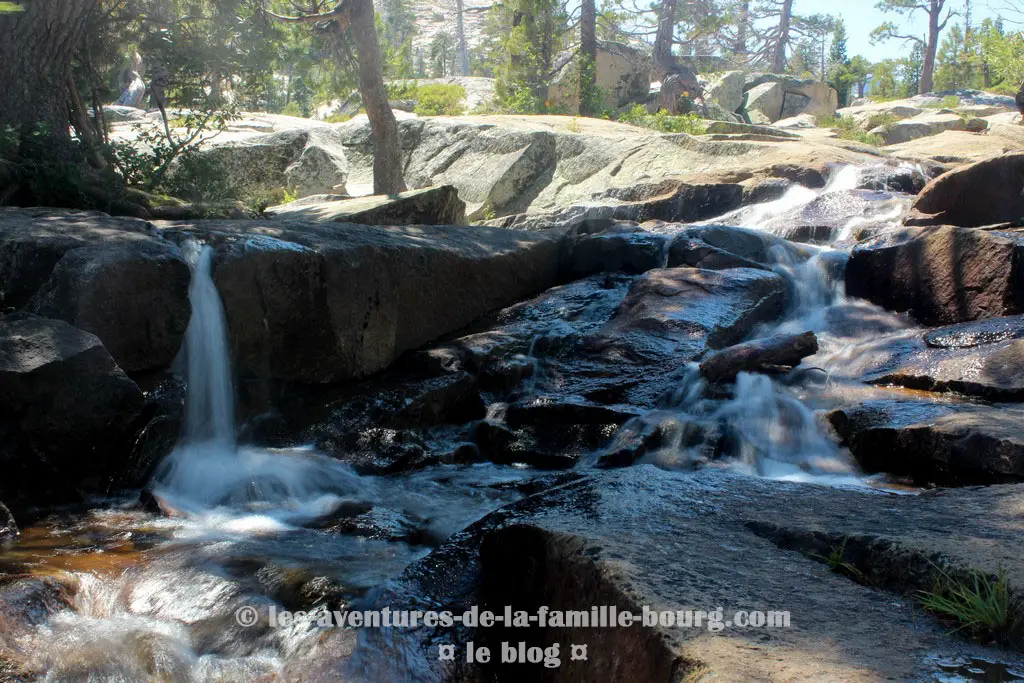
293, 109
664, 122
947, 102
440, 100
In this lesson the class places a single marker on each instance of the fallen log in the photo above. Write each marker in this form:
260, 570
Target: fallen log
773, 354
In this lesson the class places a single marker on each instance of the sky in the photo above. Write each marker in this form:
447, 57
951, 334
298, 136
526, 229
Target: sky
862, 18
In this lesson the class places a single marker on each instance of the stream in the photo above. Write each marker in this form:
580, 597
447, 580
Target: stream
126, 592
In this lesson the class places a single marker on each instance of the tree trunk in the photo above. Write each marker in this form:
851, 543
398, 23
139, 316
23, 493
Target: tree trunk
36, 49
928, 70
742, 28
782, 42
460, 35
387, 150
664, 62
588, 58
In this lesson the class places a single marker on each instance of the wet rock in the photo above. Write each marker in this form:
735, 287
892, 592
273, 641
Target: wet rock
717, 247
551, 432
935, 443
983, 359
852, 214
775, 354
940, 275
430, 206
680, 313
327, 302
159, 427
623, 252
651, 432
33, 241
8, 525
617, 538
67, 400
133, 296
905, 178
984, 193
377, 450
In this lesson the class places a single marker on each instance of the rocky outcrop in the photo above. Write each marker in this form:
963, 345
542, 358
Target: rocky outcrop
985, 193
957, 147
65, 408
725, 91
926, 125
789, 98
304, 161
326, 302
429, 206
615, 539
33, 241
763, 103
133, 296
623, 75
982, 359
509, 165
679, 313
941, 275
935, 443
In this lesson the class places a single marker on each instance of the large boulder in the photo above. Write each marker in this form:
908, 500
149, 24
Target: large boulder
325, 302
935, 443
623, 75
33, 241
132, 295
984, 193
303, 161
64, 404
983, 358
429, 206
874, 114
763, 103
726, 91
794, 96
680, 313
941, 275
925, 125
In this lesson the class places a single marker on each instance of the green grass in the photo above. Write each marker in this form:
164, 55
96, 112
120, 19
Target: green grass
847, 129
980, 605
836, 561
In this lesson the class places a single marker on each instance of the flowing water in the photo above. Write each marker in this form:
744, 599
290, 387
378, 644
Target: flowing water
138, 595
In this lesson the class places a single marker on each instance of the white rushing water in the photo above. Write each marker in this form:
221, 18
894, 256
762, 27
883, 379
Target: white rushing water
771, 429
240, 487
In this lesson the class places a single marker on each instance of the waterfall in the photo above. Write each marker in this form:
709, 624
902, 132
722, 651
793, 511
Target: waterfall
210, 411
208, 469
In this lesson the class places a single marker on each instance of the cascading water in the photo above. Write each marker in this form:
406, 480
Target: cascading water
765, 427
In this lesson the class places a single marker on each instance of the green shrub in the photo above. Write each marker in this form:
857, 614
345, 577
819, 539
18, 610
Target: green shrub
293, 109
402, 90
664, 122
440, 100
947, 102
338, 118
847, 129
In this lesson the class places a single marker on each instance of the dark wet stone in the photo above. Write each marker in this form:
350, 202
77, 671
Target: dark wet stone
160, 428
941, 275
379, 450
977, 333
680, 313
624, 252
505, 446
991, 370
722, 246
133, 295
935, 443
67, 408
904, 178
8, 526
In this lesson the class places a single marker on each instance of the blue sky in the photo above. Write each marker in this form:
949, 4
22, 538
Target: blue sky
861, 18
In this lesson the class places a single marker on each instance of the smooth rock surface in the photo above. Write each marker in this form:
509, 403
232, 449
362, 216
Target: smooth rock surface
940, 275
326, 302
429, 206
984, 193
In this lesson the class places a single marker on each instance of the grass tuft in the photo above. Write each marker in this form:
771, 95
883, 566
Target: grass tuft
980, 605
